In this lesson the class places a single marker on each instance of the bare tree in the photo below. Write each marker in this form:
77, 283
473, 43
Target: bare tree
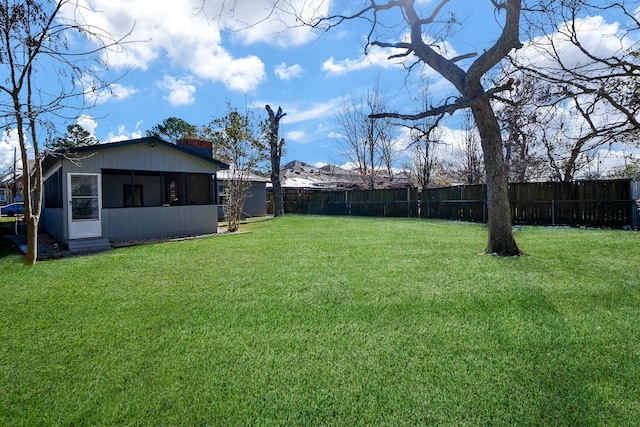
275, 149
569, 148
36, 44
588, 86
467, 165
469, 84
354, 140
236, 141
425, 139
473, 170
369, 143
523, 125
385, 132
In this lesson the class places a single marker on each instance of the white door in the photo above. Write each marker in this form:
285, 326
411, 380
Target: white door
85, 205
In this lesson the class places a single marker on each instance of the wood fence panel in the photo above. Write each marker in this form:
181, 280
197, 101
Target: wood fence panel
588, 203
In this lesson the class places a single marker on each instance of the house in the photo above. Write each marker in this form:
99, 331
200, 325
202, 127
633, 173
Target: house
132, 190
11, 184
255, 202
297, 175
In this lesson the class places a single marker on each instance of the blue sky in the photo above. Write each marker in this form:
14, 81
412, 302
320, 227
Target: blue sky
195, 57
197, 68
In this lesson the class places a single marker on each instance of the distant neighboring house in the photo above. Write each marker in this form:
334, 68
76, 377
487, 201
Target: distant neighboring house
255, 203
5, 190
11, 185
137, 189
297, 174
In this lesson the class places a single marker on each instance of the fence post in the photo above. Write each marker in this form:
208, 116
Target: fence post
346, 202
484, 210
553, 212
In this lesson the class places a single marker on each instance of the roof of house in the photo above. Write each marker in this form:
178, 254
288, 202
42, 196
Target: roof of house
228, 174
7, 177
145, 140
297, 174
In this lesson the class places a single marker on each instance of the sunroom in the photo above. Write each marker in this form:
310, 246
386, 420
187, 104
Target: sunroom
132, 190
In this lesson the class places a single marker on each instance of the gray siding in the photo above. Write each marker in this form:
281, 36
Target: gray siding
140, 157
158, 222
255, 204
54, 223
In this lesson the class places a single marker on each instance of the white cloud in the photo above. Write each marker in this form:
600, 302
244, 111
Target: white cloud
115, 92
9, 144
287, 73
607, 161
379, 57
316, 111
296, 136
87, 123
181, 91
376, 58
403, 140
266, 21
189, 34
122, 134
454, 140
242, 75
595, 35
118, 138
119, 92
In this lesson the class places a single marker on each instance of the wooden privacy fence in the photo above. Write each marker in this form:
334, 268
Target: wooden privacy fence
588, 203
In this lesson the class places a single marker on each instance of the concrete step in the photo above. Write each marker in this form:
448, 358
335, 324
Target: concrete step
85, 246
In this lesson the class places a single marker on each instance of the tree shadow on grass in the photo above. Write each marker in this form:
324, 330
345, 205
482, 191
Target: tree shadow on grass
555, 369
7, 247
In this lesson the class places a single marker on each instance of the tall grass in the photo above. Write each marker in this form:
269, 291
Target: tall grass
328, 321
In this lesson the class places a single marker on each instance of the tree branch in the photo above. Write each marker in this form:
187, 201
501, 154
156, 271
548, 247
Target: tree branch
460, 103
508, 40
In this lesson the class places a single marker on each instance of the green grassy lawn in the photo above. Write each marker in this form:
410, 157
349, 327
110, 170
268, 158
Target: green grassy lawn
328, 321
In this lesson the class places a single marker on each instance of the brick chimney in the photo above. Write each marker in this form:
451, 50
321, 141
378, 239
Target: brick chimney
199, 146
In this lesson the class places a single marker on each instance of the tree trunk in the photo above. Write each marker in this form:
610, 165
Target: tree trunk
32, 209
275, 181
276, 145
32, 241
501, 241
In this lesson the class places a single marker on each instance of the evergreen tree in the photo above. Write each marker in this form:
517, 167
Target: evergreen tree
173, 129
75, 137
